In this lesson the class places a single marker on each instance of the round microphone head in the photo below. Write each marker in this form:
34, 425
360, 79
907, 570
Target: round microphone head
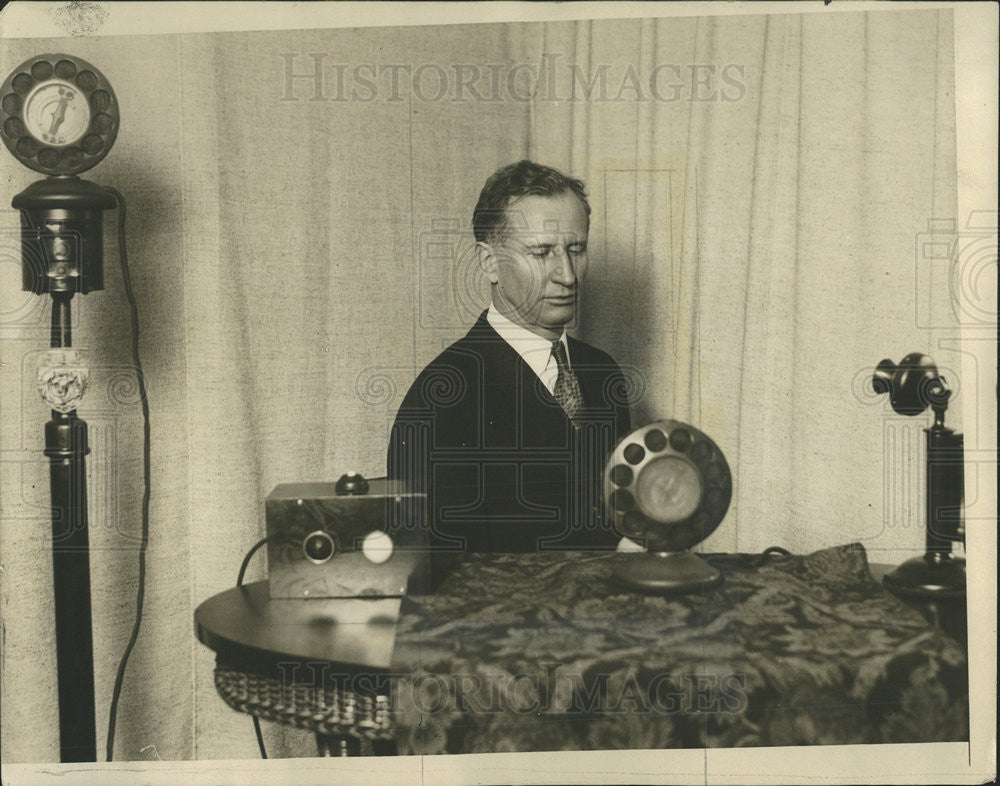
667, 484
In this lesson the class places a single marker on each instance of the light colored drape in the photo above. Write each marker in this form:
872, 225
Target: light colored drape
754, 258
298, 261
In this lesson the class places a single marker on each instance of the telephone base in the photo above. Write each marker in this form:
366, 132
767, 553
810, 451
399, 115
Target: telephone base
931, 576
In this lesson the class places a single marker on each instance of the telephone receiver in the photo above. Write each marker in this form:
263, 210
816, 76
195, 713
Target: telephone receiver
914, 385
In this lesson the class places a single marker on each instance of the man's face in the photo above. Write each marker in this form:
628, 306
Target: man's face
537, 266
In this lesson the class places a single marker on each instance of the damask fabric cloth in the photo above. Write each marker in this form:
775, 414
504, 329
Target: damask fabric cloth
534, 652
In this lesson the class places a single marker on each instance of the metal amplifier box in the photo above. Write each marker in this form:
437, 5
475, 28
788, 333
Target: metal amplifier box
325, 544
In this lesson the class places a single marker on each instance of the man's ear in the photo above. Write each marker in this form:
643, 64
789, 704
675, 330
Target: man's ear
487, 261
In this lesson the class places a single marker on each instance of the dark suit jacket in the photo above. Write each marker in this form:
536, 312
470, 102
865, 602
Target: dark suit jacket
504, 468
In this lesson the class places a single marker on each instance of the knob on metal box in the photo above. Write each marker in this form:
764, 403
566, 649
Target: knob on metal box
351, 483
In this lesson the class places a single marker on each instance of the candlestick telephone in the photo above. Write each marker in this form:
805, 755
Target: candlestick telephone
914, 385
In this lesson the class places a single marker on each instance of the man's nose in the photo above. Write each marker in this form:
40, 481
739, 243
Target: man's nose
564, 269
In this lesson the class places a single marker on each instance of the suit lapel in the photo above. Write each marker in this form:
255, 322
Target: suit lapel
540, 419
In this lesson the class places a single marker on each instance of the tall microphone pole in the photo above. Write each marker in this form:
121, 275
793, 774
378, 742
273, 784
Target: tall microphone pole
60, 217
59, 117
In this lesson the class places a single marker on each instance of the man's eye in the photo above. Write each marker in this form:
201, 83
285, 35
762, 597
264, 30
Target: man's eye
545, 253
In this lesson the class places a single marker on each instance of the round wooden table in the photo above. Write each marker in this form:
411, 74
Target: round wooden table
314, 664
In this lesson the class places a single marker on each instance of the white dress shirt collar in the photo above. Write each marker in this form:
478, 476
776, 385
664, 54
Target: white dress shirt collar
536, 350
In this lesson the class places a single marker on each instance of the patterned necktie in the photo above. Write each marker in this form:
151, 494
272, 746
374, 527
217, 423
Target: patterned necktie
567, 389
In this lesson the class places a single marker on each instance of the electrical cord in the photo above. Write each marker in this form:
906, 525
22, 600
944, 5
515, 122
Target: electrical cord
147, 477
246, 560
141, 592
239, 583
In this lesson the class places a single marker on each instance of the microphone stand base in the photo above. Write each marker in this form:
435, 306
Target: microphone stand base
665, 572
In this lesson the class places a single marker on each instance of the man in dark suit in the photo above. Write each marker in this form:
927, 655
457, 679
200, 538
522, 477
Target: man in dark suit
508, 429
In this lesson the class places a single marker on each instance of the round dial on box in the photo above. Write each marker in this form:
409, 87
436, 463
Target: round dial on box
59, 114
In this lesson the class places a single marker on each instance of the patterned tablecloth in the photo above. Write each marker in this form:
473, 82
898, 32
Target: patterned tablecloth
536, 652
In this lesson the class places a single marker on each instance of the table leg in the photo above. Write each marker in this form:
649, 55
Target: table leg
341, 745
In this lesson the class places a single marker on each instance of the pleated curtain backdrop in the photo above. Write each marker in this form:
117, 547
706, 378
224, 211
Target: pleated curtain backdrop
299, 258
754, 258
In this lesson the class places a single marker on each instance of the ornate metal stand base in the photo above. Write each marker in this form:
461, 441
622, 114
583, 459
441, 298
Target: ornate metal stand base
667, 572
936, 588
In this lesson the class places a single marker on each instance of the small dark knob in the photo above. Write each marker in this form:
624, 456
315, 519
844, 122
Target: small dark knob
319, 546
351, 483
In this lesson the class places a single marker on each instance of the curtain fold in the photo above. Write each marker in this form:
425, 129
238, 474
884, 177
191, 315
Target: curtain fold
766, 392
752, 254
